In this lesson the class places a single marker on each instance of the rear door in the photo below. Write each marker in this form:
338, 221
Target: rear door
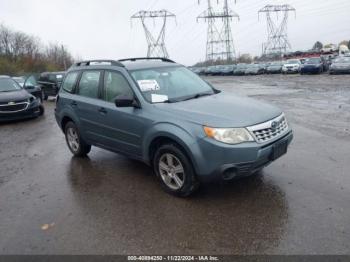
87, 104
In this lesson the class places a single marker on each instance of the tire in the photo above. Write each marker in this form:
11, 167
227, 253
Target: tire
75, 142
167, 159
42, 110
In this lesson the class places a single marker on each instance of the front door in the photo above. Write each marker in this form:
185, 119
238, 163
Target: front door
123, 127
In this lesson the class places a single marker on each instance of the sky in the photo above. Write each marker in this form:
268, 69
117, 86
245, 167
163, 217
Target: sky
101, 29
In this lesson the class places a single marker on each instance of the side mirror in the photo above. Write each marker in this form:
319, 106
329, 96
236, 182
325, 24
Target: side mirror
126, 101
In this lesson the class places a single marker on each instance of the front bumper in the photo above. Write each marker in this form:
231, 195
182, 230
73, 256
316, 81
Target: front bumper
32, 111
290, 70
227, 162
273, 71
311, 70
340, 71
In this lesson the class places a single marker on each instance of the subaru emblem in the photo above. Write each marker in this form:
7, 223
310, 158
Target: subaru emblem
274, 125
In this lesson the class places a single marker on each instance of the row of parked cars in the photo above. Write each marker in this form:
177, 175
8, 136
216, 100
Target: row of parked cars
315, 65
21, 97
45, 85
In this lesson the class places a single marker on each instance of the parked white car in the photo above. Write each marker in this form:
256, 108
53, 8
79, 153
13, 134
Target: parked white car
291, 66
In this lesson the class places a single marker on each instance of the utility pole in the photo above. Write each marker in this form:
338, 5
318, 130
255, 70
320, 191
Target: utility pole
219, 43
277, 40
156, 45
64, 58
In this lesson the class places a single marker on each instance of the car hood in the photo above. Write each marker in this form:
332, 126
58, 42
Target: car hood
221, 110
290, 65
311, 65
341, 65
14, 96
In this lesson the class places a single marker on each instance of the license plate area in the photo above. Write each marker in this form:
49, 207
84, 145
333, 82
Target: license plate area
279, 150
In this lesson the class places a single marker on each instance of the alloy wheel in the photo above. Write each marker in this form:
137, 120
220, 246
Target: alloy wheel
171, 171
73, 139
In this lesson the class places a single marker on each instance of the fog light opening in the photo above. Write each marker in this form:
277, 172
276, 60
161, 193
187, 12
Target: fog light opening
229, 173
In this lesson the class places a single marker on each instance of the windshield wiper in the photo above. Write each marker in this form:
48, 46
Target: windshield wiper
196, 96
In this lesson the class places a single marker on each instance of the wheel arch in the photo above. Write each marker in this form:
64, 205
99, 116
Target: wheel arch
170, 134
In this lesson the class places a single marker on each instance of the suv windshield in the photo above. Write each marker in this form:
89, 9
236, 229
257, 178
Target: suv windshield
276, 64
342, 60
170, 84
242, 66
313, 61
8, 84
293, 62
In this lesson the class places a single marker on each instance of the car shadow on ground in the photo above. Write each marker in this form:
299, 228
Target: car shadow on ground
247, 214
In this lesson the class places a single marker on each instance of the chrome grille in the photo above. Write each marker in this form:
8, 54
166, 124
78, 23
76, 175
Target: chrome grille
267, 131
13, 107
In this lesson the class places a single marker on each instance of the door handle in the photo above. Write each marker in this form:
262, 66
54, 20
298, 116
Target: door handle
74, 103
103, 111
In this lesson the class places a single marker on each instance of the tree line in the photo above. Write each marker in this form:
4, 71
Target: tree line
21, 54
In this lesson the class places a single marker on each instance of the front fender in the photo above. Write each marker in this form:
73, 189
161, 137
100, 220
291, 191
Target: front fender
176, 133
67, 112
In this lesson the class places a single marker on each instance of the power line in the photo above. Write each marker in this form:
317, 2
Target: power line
156, 45
219, 42
277, 42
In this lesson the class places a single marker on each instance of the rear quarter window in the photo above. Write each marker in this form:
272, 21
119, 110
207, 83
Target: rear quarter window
70, 81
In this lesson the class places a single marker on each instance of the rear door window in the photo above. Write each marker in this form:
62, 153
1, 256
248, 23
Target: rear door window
89, 84
70, 81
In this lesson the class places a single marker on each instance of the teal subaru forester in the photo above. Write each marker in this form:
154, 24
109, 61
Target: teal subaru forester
161, 113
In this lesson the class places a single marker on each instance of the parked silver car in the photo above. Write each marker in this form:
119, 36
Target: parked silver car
340, 66
291, 66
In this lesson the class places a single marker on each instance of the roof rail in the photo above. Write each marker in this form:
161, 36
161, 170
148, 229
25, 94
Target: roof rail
89, 62
147, 58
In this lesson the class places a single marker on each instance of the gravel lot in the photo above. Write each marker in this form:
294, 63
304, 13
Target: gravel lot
51, 203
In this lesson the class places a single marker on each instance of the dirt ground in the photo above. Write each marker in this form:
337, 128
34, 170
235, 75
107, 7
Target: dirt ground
51, 203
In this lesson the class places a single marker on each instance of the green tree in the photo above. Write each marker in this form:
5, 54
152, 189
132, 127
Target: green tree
317, 46
21, 53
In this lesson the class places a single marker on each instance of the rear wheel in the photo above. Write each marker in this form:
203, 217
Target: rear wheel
75, 143
174, 170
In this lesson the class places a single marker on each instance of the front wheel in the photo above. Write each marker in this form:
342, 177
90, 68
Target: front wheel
42, 110
75, 143
175, 171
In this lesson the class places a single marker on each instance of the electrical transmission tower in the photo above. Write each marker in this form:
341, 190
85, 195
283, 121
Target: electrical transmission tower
277, 42
219, 43
156, 45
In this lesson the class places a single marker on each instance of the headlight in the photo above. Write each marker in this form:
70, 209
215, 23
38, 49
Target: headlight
229, 135
32, 99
